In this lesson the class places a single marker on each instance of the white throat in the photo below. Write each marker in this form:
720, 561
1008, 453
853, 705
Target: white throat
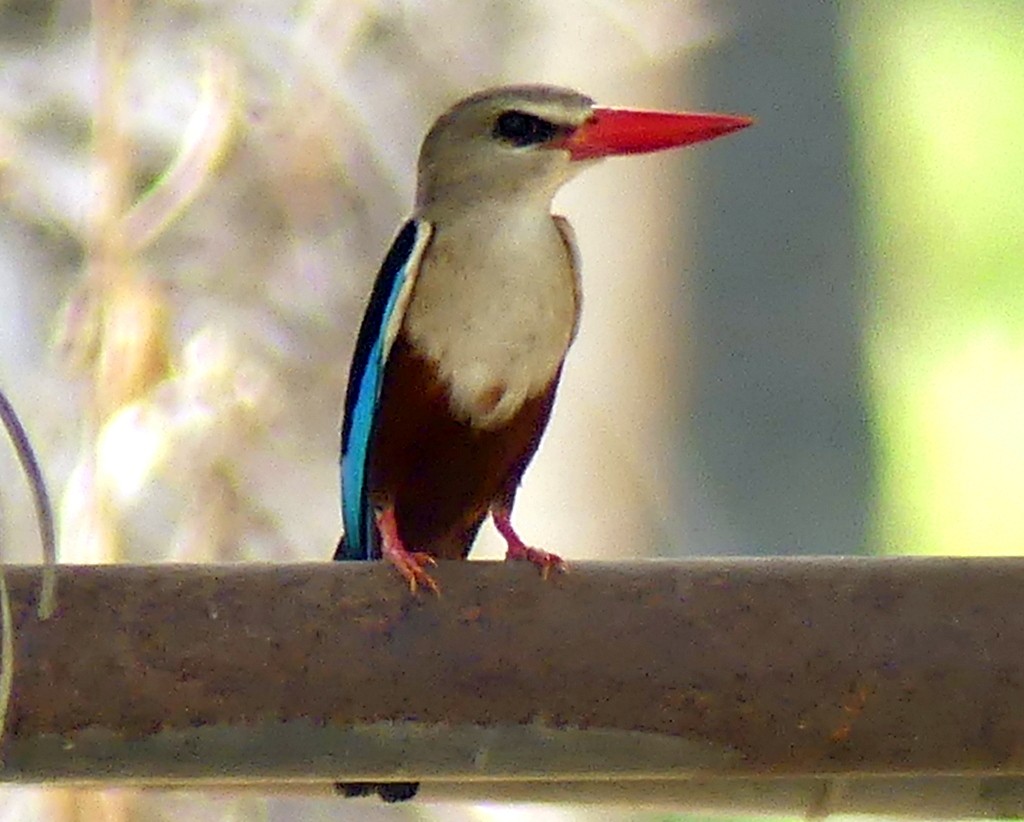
495, 305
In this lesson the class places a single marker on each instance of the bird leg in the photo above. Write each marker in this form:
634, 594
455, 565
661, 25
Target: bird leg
409, 563
517, 549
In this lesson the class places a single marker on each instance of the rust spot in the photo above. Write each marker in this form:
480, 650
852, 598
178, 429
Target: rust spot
852, 706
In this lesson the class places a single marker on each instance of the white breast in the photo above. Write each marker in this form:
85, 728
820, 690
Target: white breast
495, 305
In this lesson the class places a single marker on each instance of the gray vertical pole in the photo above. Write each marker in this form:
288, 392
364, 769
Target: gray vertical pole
777, 454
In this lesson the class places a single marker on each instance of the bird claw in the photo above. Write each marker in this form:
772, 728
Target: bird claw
410, 565
519, 550
542, 559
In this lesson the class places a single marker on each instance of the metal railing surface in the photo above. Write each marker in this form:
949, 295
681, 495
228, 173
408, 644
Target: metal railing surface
816, 685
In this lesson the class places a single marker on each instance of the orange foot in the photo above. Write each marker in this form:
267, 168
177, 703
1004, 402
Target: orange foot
519, 550
409, 563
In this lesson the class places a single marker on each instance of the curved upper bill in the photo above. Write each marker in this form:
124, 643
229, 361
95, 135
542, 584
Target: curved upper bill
611, 131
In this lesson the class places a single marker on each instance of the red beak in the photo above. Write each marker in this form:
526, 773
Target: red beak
611, 131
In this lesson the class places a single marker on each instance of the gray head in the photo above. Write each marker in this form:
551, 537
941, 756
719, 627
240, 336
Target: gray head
497, 146
517, 145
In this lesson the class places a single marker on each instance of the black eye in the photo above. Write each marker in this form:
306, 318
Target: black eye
522, 129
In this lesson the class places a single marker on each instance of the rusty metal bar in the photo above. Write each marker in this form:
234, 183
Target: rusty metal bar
823, 670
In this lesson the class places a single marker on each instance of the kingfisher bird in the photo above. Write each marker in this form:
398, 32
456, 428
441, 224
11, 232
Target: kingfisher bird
473, 311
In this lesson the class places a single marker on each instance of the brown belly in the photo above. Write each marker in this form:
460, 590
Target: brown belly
441, 474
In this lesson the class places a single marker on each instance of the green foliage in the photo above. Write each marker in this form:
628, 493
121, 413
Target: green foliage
938, 110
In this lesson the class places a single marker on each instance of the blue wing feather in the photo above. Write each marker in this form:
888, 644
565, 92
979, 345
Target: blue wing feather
397, 272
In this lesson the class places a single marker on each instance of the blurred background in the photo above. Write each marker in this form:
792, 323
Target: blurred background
805, 338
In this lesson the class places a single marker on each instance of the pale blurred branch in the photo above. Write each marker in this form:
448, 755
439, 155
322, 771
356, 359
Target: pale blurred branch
203, 144
113, 167
117, 326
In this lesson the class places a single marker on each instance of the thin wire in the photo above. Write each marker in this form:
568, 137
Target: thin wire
6, 653
44, 511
